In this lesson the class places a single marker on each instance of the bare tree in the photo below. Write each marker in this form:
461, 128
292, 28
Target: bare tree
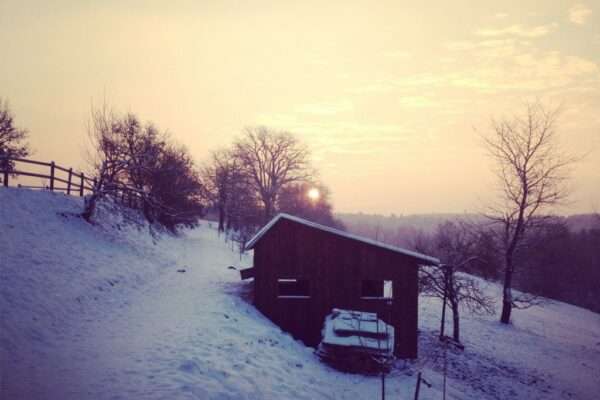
218, 177
454, 243
532, 172
271, 160
135, 160
106, 156
11, 138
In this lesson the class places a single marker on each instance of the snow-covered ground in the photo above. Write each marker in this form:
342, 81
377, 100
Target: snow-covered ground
105, 312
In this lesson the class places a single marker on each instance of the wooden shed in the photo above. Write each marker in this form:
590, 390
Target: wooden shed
302, 270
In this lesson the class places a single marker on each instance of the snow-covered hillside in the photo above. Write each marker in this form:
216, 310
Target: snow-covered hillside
113, 312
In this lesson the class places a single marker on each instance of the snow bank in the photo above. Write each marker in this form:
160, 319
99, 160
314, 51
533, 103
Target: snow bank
103, 312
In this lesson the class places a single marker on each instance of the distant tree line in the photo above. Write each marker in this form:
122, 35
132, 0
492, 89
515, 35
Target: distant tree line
562, 264
559, 258
264, 172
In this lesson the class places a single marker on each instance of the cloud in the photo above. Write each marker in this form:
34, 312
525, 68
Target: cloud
398, 54
518, 30
417, 102
326, 108
579, 13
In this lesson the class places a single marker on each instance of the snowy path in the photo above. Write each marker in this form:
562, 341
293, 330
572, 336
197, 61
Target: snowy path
180, 337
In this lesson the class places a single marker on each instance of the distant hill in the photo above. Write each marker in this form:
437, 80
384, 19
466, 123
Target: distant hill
361, 223
402, 230
423, 222
579, 222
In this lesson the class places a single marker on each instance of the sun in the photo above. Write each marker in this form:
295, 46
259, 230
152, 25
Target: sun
313, 194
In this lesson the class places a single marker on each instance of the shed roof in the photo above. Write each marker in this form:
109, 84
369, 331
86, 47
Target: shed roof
420, 258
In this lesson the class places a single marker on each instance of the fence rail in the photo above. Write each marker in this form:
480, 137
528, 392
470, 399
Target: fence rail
75, 183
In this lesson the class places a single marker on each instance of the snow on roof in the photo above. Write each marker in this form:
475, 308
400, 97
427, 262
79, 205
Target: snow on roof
422, 258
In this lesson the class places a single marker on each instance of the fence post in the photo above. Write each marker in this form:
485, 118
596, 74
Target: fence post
82, 183
94, 185
69, 184
5, 177
51, 176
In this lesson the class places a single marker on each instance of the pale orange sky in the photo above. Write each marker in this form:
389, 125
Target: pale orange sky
388, 95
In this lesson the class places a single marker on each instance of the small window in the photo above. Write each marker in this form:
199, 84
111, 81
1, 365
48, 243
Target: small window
293, 288
376, 289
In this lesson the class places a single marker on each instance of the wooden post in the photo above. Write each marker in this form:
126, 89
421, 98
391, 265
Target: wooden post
82, 184
94, 185
69, 184
443, 322
52, 176
6, 177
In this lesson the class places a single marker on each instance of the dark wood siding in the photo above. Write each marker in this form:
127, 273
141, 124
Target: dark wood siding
335, 266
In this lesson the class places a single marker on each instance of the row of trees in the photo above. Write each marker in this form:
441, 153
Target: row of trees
562, 264
262, 173
126, 154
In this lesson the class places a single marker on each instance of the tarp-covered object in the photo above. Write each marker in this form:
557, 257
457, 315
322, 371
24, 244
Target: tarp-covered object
356, 341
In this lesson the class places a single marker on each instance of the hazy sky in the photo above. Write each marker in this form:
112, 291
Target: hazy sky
389, 95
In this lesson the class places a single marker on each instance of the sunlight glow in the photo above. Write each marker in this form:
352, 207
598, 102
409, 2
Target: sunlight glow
313, 194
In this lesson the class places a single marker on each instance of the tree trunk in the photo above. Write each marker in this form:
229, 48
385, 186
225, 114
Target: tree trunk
148, 210
221, 217
268, 210
90, 206
507, 294
455, 322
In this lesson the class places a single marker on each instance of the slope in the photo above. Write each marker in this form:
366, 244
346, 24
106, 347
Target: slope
106, 312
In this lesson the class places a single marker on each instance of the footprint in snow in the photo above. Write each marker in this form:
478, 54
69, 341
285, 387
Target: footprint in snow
189, 366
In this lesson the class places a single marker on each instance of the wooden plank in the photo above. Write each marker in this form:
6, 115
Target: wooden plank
16, 172
57, 179
23, 160
62, 168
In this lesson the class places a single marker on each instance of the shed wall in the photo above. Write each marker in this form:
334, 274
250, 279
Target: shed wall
335, 267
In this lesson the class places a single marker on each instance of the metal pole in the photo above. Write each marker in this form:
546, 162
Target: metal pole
445, 368
418, 388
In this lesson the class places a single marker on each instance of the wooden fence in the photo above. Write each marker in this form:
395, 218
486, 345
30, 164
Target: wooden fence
63, 179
